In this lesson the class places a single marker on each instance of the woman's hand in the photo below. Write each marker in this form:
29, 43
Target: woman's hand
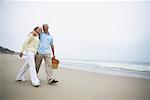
20, 54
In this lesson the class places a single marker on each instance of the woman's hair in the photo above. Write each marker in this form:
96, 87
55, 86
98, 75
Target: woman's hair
36, 28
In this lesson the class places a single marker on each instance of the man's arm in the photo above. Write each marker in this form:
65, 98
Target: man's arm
52, 46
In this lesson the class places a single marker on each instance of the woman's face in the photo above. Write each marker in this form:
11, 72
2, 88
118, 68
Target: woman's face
39, 30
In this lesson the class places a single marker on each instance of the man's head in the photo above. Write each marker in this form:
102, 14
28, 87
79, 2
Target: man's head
45, 28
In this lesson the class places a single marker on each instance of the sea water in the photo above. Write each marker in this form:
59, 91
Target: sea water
134, 69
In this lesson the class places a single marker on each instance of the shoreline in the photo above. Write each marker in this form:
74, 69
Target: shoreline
104, 70
136, 74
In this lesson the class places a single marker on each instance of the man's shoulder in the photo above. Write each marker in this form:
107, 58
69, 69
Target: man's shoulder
46, 35
42, 33
50, 35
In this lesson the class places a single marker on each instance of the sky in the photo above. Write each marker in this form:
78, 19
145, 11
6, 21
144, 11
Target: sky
96, 30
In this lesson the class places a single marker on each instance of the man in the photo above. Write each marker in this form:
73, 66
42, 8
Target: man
44, 52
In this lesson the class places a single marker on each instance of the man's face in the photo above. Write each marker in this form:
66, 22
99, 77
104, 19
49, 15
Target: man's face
45, 27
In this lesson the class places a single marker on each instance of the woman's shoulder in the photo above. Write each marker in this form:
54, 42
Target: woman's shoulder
30, 34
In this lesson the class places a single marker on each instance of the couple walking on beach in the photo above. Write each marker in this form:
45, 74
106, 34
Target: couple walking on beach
38, 46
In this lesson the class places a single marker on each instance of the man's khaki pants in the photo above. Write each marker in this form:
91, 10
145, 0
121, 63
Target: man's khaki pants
47, 60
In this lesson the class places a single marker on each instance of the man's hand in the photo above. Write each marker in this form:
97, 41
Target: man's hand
34, 33
20, 54
53, 57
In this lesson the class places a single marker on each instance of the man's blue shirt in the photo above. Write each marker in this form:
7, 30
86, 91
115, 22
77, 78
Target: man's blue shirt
45, 43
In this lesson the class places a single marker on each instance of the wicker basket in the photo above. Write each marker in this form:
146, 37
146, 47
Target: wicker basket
55, 63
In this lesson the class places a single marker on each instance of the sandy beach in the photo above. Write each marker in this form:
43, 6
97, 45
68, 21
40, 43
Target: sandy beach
73, 85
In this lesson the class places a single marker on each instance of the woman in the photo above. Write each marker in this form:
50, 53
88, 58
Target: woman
30, 46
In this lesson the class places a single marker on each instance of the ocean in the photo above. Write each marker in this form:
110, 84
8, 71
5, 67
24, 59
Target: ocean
132, 69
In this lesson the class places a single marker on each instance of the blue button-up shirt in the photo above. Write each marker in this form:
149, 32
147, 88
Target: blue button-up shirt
46, 40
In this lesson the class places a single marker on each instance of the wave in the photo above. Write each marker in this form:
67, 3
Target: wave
139, 70
107, 64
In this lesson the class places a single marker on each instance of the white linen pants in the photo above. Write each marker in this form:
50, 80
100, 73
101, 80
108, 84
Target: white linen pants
30, 60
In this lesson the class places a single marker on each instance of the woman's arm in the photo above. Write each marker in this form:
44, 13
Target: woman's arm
26, 42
